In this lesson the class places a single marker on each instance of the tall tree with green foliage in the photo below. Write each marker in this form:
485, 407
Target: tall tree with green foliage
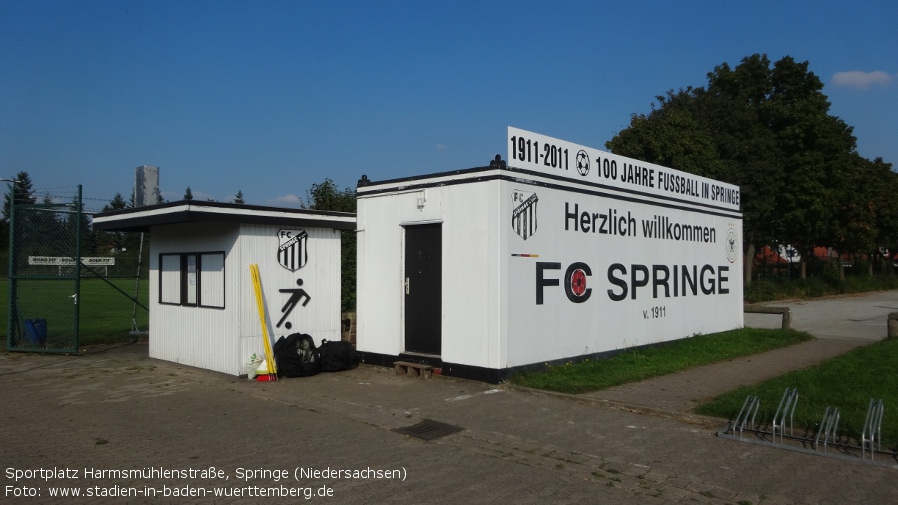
764, 127
853, 223
326, 196
671, 135
117, 203
188, 194
816, 150
124, 246
885, 187
22, 193
73, 220
238, 198
111, 242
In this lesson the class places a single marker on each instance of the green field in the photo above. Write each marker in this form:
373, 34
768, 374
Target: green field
105, 313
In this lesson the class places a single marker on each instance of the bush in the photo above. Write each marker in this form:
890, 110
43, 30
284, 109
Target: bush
782, 288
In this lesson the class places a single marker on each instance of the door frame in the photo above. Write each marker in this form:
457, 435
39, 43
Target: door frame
405, 322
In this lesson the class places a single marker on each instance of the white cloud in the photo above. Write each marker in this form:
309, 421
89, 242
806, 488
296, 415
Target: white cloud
168, 196
290, 200
198, 196
440, 147
861, 80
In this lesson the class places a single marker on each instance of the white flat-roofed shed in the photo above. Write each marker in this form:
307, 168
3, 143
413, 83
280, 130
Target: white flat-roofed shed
203, 309
561, 253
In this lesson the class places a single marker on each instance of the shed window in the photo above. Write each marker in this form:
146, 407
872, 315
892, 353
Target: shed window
194, 279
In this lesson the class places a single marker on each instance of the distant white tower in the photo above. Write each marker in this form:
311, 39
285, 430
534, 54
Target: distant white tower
146, 186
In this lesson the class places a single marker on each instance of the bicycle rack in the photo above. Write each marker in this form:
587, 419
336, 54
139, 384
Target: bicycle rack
828, 426
749, 408
774, 434
872, 433
786, 408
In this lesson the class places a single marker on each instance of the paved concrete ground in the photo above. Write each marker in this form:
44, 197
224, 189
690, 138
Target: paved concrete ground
120, 410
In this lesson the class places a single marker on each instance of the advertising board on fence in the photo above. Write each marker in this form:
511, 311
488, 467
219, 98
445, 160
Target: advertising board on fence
607, 252
67, 261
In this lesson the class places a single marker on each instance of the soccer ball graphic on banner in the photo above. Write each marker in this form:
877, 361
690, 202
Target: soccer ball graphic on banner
583, 163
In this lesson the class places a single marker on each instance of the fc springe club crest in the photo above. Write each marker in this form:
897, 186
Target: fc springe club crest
293, 249
523, 214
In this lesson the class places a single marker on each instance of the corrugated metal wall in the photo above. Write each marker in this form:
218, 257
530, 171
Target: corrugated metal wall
320, 281
223, 339
195, 336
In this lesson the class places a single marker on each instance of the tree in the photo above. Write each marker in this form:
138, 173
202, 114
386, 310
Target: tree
326, 196
766, 129
24, 194
188, 195
113, 241
884, 183
117, 203
672, 136
238, 198
78, 218
732, 109
124, 246
816, 151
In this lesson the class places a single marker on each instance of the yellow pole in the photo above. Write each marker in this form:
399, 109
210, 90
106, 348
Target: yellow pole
257, 287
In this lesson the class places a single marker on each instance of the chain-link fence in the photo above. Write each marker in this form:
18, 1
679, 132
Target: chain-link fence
43, 293
57, 303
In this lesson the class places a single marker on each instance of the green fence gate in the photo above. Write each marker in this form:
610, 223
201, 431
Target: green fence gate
44, 276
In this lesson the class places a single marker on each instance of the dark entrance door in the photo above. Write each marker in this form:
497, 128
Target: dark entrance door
423, 288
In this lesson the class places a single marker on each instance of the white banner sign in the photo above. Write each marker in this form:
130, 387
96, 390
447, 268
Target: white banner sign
598, 273
65, 261
559, 158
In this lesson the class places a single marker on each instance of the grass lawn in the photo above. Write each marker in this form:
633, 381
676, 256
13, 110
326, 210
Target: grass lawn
105, 314
847, 382
639, 364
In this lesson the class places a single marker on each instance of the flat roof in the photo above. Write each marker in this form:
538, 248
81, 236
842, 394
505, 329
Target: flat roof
142, 218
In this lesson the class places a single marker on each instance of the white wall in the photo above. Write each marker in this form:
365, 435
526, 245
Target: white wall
490, 315
223, 339
379, 275
471, 265
559, 328
195, 336
321, 281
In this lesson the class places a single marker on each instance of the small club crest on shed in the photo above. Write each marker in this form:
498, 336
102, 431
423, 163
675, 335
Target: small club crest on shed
523, 214
293, 249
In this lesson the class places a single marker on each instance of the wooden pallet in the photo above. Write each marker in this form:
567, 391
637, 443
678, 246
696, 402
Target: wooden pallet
409, 369
348, 327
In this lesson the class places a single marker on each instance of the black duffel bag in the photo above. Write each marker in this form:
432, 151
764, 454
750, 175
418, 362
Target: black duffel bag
337, 356
296, 356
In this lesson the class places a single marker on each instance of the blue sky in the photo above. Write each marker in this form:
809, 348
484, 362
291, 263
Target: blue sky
271, 97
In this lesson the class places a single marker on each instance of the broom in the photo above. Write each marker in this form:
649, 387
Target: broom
269, 353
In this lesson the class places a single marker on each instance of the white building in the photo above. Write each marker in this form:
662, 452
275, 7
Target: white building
203, 310
563, 253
